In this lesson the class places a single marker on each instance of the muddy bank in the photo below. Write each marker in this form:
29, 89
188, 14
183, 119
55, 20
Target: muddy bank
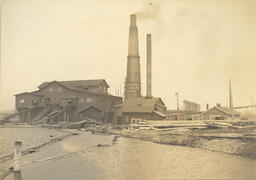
237, 146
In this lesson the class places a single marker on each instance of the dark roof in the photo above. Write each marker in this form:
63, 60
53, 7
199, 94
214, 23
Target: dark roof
140, 105
29, 93
83, 91
190, 102
225, 110
77, 84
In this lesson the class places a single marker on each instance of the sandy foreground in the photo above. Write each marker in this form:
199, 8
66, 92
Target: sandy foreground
79, 157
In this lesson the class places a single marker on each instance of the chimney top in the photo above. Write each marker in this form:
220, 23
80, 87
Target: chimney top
133, 20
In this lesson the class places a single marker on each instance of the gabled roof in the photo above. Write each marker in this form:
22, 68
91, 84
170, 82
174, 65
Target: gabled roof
225, 110
77, 84
89, 107
140, 105
81, 90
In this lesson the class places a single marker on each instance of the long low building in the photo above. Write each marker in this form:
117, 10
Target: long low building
181, 114
67, 101
217, 112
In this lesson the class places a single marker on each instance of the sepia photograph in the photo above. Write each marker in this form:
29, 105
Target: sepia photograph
127, 89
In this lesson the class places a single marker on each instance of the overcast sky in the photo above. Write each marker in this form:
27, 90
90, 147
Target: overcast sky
197, 45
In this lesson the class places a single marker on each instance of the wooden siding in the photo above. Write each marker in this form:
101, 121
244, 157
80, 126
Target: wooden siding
215, 112
91, 113
27, 100
146, 116
57, 94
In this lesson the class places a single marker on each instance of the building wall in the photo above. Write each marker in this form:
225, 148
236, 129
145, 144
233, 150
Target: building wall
191, 107
160, 108
183, 115
91, 113
147, 116
24, 115
101, 89
117, 117
27, 115
119, 113
214, 112
26, 100
59, 96
54, 91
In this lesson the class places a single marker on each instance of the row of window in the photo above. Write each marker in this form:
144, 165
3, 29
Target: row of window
81, 100
59, 89
22, 101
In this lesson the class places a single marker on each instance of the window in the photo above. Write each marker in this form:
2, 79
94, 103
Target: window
81, 100
22, 101
89, 100
51, 89
34, 101
47, 101
104, 89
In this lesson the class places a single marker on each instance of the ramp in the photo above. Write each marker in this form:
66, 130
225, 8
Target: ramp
8, 118
42, 114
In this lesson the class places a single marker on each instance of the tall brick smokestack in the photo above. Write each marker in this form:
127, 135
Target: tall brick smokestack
149, 66
133, 82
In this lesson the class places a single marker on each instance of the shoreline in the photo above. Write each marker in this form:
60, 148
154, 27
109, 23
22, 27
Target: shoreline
218, 142
234, 145
139, 146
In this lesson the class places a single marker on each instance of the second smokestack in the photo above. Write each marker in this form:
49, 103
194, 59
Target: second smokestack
149, 66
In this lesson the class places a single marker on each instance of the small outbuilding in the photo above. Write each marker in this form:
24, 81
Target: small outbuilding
139, 108
220, 113
91, 112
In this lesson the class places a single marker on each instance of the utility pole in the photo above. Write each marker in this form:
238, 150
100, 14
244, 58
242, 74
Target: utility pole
178, 109
107, 106
252, 105
231, 99
120, 89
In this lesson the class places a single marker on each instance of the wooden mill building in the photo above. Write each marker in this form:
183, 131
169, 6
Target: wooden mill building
67, 101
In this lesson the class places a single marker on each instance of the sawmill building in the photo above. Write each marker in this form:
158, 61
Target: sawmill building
67, 101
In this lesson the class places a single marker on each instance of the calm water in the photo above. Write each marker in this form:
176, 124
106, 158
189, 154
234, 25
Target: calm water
133, 159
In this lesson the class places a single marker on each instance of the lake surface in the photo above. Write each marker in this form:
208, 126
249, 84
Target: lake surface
132, 159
